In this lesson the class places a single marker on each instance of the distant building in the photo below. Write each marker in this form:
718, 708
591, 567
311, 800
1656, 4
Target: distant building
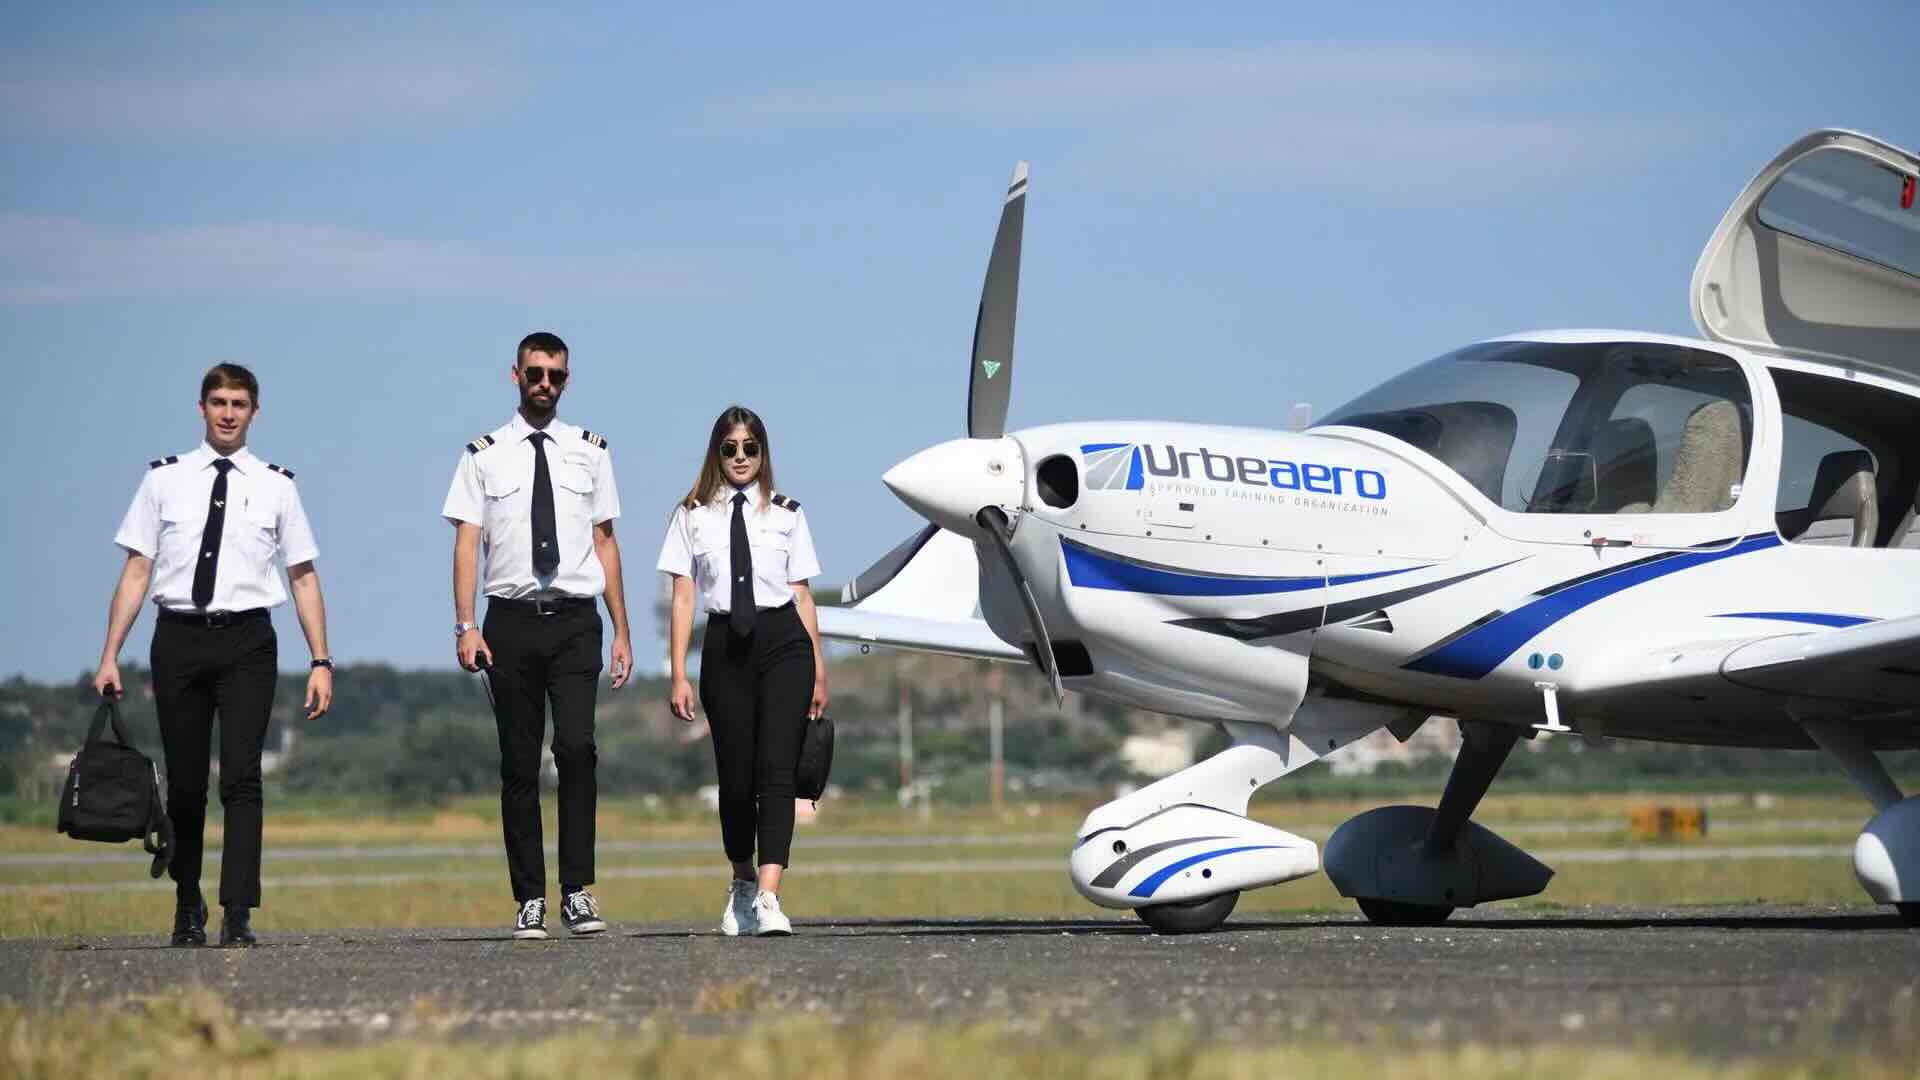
1438, 737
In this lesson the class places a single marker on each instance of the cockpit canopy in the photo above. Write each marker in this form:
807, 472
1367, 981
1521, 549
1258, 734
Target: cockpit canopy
1559, 428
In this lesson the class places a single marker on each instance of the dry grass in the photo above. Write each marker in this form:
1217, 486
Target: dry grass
194, 1035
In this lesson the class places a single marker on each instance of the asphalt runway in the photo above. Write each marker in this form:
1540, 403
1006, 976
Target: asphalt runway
1720, 981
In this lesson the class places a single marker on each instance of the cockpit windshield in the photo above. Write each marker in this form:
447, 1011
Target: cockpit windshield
1602, 428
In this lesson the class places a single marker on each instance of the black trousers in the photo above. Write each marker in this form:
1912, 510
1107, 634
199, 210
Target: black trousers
756, 691
537, 660
199, 671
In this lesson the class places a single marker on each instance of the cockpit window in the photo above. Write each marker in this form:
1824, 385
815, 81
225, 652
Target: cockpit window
1607, 428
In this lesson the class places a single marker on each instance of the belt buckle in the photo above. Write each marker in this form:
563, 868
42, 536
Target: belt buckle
542, 606
218, 620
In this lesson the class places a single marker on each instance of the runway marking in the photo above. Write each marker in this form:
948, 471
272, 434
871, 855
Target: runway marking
941, 867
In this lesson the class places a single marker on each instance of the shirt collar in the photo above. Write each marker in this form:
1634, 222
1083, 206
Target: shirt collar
518, 429
243, 458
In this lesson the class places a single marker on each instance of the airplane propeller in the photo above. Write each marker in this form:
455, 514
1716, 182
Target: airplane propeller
964, 484
990, 382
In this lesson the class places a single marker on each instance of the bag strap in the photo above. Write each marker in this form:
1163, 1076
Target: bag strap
107, 713
157, 838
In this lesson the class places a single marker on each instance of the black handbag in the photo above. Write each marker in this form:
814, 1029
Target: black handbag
816, 758
112, 793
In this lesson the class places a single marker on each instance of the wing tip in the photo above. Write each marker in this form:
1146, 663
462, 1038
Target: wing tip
1017, 186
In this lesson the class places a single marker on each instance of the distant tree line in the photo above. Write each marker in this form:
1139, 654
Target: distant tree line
408, 737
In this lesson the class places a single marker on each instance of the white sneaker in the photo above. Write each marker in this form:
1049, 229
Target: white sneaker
738, 914
769, 920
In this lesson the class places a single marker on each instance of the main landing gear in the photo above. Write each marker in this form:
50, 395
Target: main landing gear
1412, 866
1886, 855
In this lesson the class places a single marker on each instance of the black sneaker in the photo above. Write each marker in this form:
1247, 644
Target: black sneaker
190, 924
236, 930
531, 924
578, 911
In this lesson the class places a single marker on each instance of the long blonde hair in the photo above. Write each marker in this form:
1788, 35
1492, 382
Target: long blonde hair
713, 475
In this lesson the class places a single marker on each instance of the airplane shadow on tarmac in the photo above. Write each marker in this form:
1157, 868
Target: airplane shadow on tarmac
1097, 927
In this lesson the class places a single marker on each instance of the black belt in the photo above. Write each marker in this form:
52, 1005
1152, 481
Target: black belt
763, 611
535, 605
211, 619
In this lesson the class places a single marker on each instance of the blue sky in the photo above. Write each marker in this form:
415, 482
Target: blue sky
1231, 211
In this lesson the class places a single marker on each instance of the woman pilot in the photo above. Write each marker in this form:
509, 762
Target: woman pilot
762, 675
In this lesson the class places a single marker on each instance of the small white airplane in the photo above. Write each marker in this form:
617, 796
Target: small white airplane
1619, 534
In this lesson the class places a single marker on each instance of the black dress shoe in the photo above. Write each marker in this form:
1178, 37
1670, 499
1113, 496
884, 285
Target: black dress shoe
190, 924
235, 931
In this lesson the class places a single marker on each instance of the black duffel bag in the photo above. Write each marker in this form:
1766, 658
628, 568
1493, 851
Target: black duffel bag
112, 792
816, 758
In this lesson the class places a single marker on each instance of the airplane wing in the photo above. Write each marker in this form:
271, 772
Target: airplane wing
923, 595
1868, 664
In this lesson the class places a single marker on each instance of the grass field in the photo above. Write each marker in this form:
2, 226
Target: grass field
331, 867
335, 866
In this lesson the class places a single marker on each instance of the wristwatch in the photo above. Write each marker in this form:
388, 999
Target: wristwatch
322, 662
460, 628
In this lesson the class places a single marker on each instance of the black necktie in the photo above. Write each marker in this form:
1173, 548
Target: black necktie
209, 563
546, 538
741, 619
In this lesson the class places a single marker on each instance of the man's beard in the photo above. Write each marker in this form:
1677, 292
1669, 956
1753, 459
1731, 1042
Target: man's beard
533, 407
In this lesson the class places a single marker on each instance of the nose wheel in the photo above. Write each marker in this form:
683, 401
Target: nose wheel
1191, 916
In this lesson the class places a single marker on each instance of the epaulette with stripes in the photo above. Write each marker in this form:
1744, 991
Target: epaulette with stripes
163, 461
597, 440
479, 444
785, 503
281, 469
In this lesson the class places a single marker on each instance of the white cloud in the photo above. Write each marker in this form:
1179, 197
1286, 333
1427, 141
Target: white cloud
207, 78
1399, 120
51, 260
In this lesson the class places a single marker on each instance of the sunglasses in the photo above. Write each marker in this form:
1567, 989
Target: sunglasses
730, 448
534, 375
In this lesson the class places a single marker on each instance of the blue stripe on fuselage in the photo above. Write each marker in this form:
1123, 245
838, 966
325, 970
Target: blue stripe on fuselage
1089, 568
1815, 618
1477, 652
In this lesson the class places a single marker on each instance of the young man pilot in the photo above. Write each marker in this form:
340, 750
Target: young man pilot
205, 537
536, 498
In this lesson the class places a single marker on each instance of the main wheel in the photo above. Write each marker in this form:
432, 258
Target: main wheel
1401, 913
1909, 912
1190, 916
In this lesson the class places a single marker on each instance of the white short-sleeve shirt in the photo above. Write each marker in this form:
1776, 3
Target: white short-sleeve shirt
265, 528
699, 545
493, 488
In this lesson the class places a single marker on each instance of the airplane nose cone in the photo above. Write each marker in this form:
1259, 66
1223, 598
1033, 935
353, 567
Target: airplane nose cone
949, 483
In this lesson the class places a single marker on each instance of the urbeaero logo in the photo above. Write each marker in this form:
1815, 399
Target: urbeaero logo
1126, 467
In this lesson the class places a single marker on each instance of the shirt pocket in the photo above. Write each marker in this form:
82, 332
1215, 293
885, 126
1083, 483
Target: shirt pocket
574, 477
711, 554
259, 528
772, 546
181, 524
502, 493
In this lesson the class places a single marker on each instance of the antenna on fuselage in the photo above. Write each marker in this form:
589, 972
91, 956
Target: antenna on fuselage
1301, 418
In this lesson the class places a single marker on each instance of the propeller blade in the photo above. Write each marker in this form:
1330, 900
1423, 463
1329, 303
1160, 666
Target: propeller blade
882, 571
990, 384
994, 521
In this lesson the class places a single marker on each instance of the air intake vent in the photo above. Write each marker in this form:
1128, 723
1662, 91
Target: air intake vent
1058, 481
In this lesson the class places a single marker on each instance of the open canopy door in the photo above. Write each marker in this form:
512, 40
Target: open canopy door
1820, 257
